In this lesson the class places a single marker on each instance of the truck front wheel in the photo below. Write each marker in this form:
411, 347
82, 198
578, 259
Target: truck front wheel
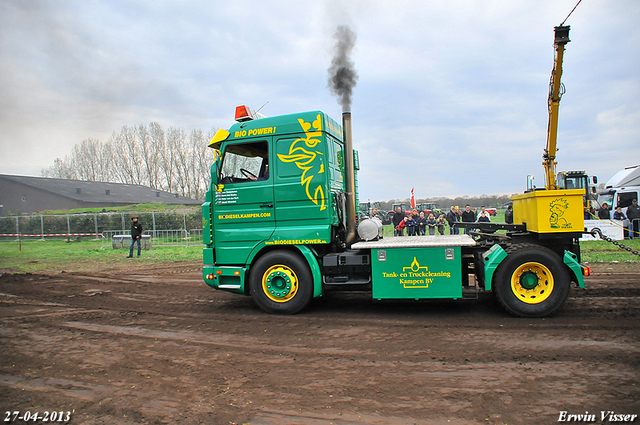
280, 282
532, 281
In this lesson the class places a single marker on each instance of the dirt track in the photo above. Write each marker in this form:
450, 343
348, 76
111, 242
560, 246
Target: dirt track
162, 347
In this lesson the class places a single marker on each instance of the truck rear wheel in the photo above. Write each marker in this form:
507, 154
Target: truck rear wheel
532, 281
280, 282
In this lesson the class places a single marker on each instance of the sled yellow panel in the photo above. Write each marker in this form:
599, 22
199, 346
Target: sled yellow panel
550, 211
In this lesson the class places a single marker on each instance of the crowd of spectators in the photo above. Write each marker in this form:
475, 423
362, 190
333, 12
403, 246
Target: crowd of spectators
630, 220
418, 223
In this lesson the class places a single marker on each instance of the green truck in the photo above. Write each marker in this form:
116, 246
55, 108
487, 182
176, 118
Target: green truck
281, 225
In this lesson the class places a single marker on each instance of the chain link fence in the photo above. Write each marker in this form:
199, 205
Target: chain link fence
164, 228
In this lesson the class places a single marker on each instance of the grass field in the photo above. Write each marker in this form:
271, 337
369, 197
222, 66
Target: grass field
55, 255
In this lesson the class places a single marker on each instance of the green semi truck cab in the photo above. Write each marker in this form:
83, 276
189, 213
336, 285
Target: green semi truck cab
280, 224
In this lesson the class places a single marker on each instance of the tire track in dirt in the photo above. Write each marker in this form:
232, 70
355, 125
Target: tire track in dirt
174, 350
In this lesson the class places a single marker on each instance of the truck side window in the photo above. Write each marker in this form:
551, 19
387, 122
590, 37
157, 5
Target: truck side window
625, 198
245, 162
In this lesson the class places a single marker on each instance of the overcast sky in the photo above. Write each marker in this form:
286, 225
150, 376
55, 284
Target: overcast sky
451, 97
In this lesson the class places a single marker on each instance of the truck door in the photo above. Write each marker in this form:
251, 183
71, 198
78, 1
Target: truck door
244, 213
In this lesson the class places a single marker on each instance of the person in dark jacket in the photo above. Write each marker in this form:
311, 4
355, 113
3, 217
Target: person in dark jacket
411, 225
484, 218
432, 223
398, 217
440, 224
136, 235
468, 216
633, 214
422, 224
508, 215
619, 215
452, 218
604, 213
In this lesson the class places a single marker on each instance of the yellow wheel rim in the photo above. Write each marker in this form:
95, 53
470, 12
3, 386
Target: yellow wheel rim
280, 283
532, 283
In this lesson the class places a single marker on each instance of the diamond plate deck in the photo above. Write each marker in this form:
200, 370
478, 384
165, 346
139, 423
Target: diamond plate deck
416, 242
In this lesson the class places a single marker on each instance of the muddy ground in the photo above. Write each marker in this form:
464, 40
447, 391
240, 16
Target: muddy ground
133, 347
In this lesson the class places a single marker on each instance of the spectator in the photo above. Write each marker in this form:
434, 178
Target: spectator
440, 223
398, 217
508, 215
633, 214
452, 218
401, 226
483, 210
619, 215
136, 235
422, 224
431, 223
604, 213
484, 217
411, 225
468, 216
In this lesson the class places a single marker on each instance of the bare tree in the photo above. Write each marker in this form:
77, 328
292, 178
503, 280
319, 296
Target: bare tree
92, 160
170, 160
176, 139
126, 155
150, 157
61, 169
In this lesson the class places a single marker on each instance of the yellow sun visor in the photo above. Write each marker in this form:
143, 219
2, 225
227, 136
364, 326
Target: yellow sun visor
218, 138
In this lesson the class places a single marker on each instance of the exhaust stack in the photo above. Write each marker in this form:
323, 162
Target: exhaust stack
350, 180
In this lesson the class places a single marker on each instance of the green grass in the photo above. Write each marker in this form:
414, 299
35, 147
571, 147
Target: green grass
596, 251
128, 208
55, 255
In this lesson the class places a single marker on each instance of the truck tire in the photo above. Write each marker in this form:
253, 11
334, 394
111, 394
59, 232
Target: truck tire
532, 281
281, 283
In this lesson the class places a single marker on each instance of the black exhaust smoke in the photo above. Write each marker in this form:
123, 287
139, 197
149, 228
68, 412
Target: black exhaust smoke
342, 74
342, 79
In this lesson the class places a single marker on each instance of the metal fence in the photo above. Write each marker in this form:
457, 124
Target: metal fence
173, 237
164, 228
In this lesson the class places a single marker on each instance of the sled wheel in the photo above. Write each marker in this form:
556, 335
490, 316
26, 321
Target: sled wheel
532, 281
281, 282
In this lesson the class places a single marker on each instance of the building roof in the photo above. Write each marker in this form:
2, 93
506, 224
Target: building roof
101, 192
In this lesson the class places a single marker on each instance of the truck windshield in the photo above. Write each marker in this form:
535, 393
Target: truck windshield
608, 198
245, 162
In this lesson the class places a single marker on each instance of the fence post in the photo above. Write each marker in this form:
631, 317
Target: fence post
122, 214
42, 226
17, 224
153, 217
68, 224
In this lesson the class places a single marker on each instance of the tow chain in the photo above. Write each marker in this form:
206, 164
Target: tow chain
596, 231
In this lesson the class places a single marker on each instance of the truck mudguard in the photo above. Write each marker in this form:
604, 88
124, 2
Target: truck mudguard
492, 260
571, 260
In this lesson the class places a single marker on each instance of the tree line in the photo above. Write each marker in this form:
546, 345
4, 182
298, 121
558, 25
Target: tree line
171, 160
445, 203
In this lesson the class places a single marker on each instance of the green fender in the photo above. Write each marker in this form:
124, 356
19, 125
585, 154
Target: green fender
316, 272
494, 257
571, 260
492, 260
